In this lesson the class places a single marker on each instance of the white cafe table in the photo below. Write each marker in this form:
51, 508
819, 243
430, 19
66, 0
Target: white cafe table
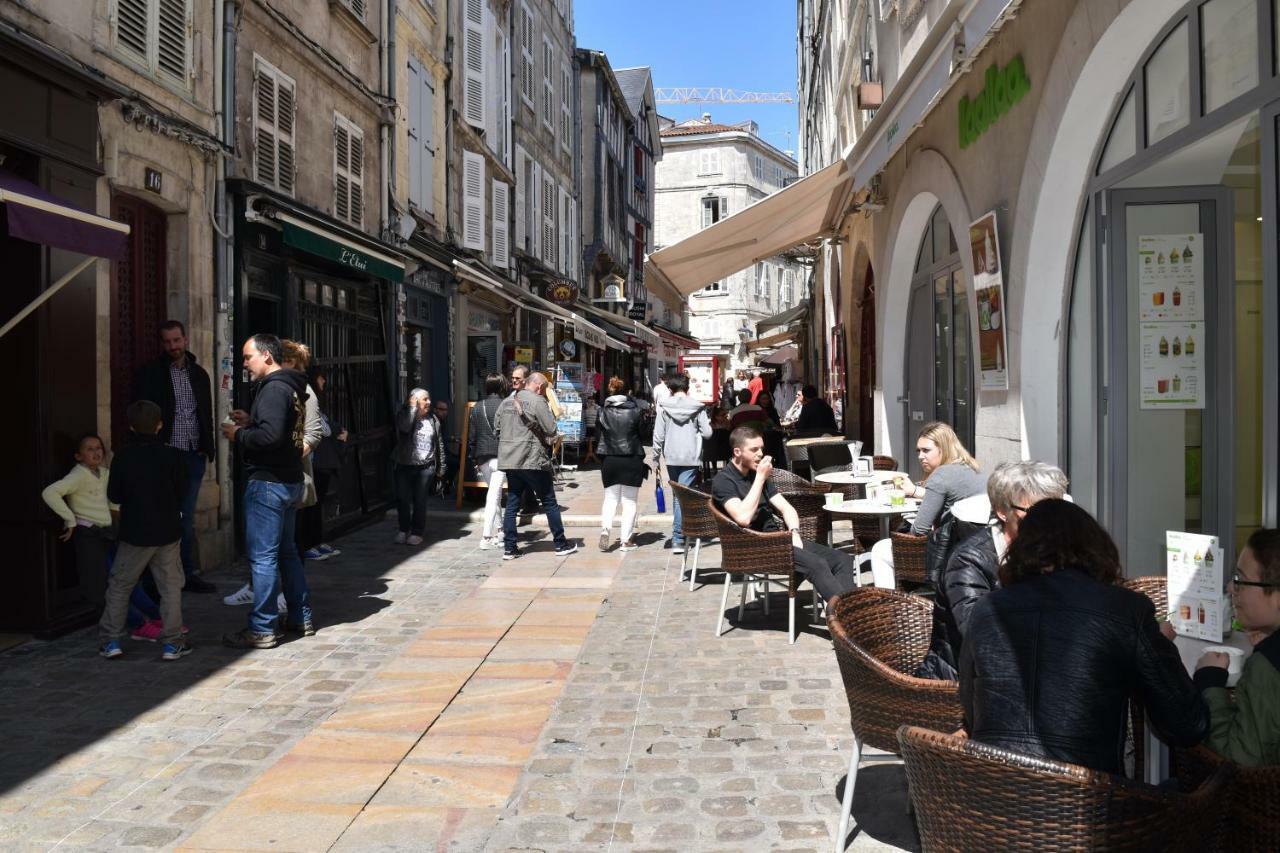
884, 512
1156, 751
847, 478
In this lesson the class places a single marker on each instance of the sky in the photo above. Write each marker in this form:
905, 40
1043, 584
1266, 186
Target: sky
748, 45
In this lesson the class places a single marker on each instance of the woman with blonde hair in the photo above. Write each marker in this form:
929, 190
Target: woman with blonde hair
950, 474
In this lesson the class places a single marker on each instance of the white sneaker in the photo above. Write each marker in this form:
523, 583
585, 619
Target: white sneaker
280, 605
629, 545
414, 540
400, 537
485, 543
243, 595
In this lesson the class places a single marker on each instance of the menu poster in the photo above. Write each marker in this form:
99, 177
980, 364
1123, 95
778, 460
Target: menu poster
702, 385
1194, 565
988, 284
1171, 365
1171, 277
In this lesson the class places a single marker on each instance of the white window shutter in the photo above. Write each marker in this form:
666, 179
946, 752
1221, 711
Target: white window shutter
131, 25
501, 246
724, 207
348, 171
535, 220
526, 54
566, 117
415, 135
548, 85
426, 127
549, 252
173, 29
286, 114
472, 201
473, 60
264, 125
521, 223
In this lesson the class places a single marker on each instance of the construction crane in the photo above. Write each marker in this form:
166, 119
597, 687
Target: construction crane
719, 95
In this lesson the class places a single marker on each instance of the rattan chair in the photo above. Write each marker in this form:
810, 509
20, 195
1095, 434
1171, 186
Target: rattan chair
833, 456
884, 463
696, 524
1156, 588
971, 796
909, 559
880, 637
786, 481
755, 556
1253, 797
815, 521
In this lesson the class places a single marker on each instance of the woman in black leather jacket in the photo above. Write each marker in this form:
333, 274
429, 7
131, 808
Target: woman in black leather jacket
1050, 660
622, 468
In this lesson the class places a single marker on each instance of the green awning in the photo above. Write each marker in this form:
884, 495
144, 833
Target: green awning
314, 240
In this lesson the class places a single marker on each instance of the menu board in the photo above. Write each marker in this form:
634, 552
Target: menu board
1171, 358
1171, 277
569, 387
1171, 328
702, 380
1194, 569
988, 284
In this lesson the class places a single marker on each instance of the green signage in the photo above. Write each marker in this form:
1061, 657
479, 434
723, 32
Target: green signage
1003, 88
324, 247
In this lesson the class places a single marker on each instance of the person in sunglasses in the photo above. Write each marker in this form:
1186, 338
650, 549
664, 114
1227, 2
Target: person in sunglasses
1247, 731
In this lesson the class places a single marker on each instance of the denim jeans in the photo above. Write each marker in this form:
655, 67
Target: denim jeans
413, 487
538, 482
195, 463
270, 512
685, 475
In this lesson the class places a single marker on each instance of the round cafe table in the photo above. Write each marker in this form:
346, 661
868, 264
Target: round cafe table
881, 511
848, 478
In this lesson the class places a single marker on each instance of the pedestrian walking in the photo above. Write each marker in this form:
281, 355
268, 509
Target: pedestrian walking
482, 447
623, 468
526, 430
148, 484
182, 390
419, 459
682, 425
326, 463
270, 437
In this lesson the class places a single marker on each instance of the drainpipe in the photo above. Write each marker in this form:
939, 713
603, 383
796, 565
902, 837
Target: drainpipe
387, 69
222, 370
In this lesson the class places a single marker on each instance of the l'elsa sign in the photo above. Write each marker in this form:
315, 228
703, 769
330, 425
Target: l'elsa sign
1003, 87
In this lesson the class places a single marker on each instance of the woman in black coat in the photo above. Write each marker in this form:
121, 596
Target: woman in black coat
1050, 660
623, 469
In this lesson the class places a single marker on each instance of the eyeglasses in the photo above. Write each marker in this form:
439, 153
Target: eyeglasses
1022, 509
1235, 579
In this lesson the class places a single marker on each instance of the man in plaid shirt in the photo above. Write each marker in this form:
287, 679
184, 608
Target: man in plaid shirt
181, 388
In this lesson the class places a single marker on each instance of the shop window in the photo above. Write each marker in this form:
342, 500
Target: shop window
1123, 141
1168, 86
1229, 56
157, 35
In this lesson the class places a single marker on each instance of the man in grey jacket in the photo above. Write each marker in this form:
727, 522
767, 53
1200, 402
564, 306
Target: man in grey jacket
681, 426
526, 429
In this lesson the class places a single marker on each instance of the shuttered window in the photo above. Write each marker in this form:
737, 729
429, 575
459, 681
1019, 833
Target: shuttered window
568, 235
274, 108
526, 55
157, 35
535, 220
548, 85
422, 147
566, 114
522, 202
501, 226
357, 7
710, 162
549, 221
348, 170
473, 61
472, 201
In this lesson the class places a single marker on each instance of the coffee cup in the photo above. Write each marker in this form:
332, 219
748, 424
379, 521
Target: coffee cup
1235, 665
833, 498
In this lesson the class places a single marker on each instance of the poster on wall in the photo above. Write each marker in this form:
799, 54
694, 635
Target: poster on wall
988, 284
1194, 565
1171, 277
702, 380
1172, 365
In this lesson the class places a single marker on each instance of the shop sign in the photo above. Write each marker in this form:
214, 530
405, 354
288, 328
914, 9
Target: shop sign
1003, 88
480, 321
562, 292
638, 310
321, 246
588, 336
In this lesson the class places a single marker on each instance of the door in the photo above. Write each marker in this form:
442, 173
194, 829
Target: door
138, 303
918, 400
1169, 400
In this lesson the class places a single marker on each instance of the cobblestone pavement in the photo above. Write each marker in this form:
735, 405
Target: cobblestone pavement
450, 701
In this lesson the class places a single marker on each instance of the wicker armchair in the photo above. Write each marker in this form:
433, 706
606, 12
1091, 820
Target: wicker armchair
786, 481
833, 456
754, 556
696, 525
815, 521
1253, 798
970, 796
1156, 588
909, 559
884, 463
880, 637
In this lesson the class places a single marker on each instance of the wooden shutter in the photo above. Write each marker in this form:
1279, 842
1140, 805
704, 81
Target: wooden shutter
286, 113
473, 60
566, 117
521, 178
548, 87
535, 220
526, 54
472, 201
548, 221
132, 18
348, 169
264, 125
415, 136
173, 37
501, 228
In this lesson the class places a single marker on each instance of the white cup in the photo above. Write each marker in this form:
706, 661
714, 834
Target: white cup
1235, 665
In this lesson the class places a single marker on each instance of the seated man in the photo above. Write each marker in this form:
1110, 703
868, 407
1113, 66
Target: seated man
971, 569
742, 491
747, 413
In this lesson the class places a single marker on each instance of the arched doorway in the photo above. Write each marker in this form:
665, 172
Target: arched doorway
939, 363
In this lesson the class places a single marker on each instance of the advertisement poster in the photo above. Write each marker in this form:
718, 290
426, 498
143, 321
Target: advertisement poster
1194, 567
569, 377
1171, 277
1172, 365
988, 284
702, 380
568, 384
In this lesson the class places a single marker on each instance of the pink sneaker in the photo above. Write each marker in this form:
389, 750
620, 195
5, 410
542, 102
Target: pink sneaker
152, 630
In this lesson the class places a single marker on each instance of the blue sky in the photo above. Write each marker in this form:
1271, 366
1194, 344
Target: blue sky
742, 45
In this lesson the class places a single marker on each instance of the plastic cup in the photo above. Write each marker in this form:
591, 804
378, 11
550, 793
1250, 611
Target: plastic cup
1236, 665
897, 497
833, 498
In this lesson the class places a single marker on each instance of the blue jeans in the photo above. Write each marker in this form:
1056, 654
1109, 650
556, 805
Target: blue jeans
685, 475
195, 463
539, 482
270, 510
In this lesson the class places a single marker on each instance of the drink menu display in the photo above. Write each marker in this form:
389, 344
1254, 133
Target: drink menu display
988, 284
1171, 328
1194, 566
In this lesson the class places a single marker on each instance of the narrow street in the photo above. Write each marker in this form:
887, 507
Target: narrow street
450, 701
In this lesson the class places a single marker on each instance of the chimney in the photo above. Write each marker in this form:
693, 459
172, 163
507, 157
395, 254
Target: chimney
706, 118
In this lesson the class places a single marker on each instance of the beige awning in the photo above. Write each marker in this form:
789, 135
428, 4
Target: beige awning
808, 209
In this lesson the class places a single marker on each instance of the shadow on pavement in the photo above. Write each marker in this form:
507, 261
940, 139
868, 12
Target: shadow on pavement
880, 805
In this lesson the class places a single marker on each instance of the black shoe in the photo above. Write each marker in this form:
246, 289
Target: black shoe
198, 584
511, 555
247, 639
306, 629
566, 549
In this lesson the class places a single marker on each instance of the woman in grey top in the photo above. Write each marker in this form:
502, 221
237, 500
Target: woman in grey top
951, 474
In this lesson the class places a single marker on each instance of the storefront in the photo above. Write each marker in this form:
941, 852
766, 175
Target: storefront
303, 276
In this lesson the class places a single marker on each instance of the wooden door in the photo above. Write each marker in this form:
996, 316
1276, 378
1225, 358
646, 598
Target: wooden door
138, 306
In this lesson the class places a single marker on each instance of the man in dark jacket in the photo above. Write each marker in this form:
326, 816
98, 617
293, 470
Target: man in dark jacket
816, 415
181, 388
270, 440
147, 480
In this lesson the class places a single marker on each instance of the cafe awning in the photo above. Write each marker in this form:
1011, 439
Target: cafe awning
625, 326
315, 239
583, 330
781, 356
775, 340
36, 216
783, 318
810, 208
